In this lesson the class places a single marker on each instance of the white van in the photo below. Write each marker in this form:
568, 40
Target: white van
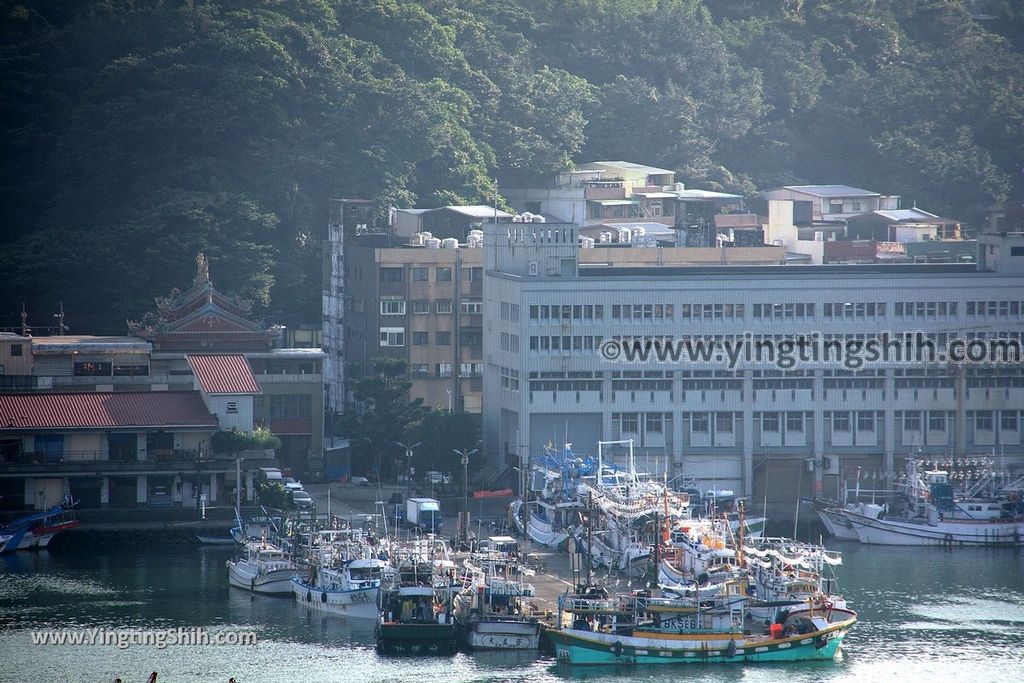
271, 474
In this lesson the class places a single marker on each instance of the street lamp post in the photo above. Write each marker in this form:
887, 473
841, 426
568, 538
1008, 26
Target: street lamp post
464, 458
408, 460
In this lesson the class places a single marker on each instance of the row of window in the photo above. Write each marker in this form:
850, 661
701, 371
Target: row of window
565, 312
860, 310
422, 274
509, 312
509, 342
565, 343
422, 306
107, 369
994, 308
781, 311
642, 311
925, 309
426, 370
984, 420
509, 379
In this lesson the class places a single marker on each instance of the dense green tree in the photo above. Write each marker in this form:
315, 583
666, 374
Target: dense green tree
439, 434
135, 134
380, 415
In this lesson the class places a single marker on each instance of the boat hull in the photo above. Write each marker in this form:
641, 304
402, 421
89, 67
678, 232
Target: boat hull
894, 532
574, 646
502, 635
837, 524
357, 604
415, 639
277, 582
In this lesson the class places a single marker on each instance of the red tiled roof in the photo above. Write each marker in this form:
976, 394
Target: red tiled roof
224, 373
104, 410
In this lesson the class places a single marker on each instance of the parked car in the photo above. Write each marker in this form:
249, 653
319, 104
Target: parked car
438, 478
291, 484
302, 499
359, 481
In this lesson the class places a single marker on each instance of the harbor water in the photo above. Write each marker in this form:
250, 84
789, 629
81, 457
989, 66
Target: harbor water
925, 613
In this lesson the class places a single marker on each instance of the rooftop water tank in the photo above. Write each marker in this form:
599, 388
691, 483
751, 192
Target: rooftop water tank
432, 243
450, 243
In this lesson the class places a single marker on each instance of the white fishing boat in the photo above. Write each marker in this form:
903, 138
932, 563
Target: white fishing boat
264, 568
344, 576
934, 516
492, 613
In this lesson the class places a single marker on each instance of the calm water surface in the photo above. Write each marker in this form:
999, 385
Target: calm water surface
924, 614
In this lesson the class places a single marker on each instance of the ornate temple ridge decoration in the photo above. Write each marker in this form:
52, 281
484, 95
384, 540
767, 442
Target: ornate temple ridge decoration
202, 318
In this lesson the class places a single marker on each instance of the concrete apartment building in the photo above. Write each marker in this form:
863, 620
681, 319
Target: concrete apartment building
127, 421
548, 308
422, 304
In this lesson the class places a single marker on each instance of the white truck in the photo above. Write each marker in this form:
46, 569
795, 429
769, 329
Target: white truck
424, 513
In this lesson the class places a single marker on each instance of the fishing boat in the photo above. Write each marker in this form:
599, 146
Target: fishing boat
415, 610
264, 568
35, 531
639, 629
935, 516
344, 575
491, 612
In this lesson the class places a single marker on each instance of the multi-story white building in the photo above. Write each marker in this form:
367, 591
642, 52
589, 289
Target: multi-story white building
755, 427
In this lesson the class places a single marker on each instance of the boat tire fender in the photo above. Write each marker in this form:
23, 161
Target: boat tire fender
730, 650
252, 583
309, 596
820, 642
323, 597
617, 648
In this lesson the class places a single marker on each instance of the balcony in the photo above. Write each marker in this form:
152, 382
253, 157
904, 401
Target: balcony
170, 460
283, 378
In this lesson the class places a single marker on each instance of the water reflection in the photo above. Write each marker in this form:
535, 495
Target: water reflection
921, 610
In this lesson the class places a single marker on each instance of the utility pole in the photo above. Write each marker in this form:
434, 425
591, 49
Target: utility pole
464, 459
590, 537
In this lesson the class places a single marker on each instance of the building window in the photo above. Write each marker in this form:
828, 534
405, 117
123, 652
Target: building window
392, 336
794, 422
420, 369
472, 306
699, 423
855, 207
912, 422
420, 274
15, 349
1008, 421
983, 421
391, 275
769, 422
443, 274
630, 423
420, 338
654, 423
723, 423
444, 369
840, 422
421, 306
444, 339
444, 305
865, 421
937, 421
472, 274
232, 407
392, 307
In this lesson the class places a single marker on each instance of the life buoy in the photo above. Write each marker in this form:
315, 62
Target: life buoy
1014, 497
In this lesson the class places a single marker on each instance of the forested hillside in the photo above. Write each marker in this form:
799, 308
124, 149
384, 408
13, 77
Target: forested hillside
136, 133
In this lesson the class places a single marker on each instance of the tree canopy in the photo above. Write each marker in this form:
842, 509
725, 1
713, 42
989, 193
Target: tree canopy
137, 133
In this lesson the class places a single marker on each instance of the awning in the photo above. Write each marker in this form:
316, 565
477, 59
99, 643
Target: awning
612, 202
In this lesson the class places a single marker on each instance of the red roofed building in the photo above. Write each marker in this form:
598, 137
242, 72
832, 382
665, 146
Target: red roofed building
227, 386
120, 448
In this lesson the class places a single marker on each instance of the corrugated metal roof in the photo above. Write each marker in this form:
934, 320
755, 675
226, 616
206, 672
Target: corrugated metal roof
224, 373
901, 215
83, 410
477, 211
832, 190
705, 194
